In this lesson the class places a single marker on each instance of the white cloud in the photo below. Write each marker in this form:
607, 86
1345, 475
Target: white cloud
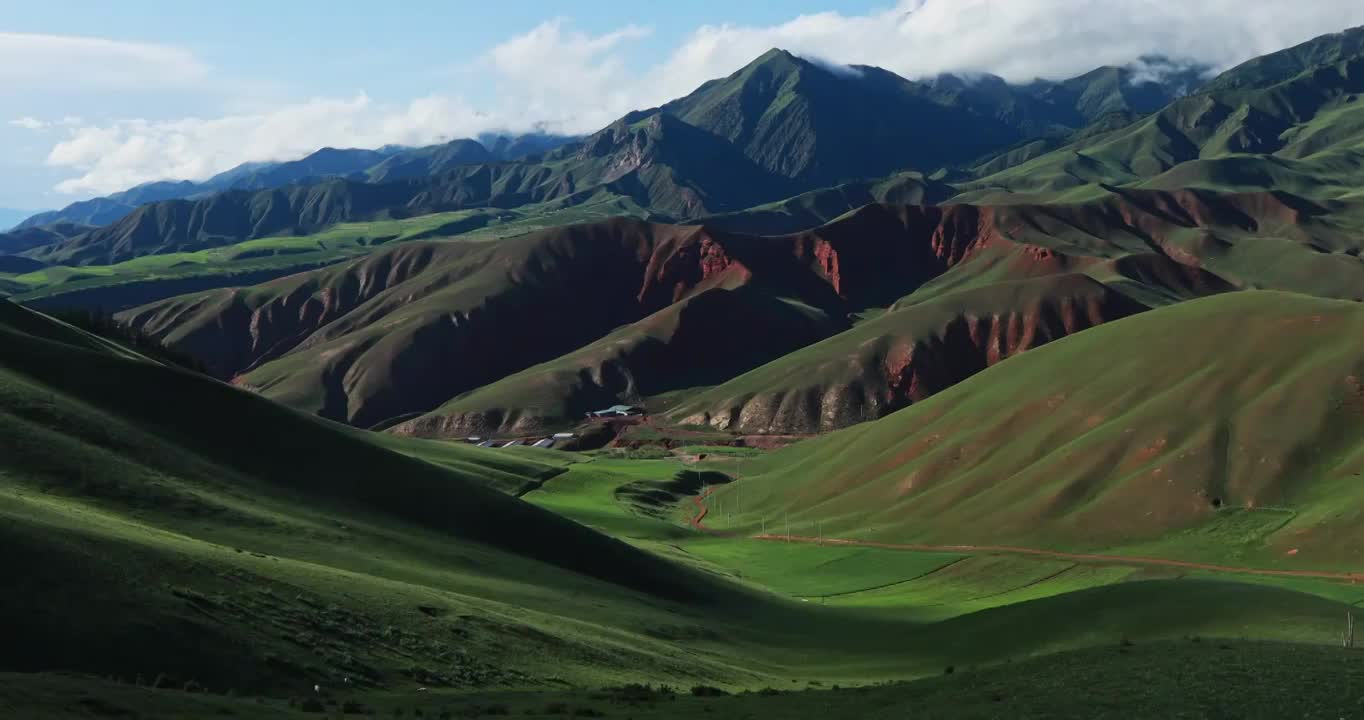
37, 61
567, 78
545, 74
28, 123
563, 80
125, 153
1018, 39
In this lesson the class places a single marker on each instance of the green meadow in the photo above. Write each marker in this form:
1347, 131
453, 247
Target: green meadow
215, 580
161, 275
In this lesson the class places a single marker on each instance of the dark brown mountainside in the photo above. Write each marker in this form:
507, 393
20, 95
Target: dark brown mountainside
402, 331
620, 310
1026, 276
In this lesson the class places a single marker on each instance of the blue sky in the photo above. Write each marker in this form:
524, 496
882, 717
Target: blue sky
97, 96
391, 50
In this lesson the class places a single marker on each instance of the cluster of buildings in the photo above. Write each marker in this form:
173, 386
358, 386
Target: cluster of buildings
615, 411
549, 442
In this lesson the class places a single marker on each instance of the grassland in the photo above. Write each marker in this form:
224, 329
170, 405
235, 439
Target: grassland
327, 553
1217, 430
152, 277
314, 555
1007, 547
319, 554
1301, 133
1191, 678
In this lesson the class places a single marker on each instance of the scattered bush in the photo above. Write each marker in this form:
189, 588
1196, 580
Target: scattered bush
644, 452
707, 691
637, 693
312, 705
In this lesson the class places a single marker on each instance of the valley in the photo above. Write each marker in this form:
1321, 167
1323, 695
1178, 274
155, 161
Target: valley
816, 392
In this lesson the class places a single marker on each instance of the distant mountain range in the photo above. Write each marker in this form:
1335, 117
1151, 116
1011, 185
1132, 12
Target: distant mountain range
1289, 121
778, 127
1062, 205
9, 217
386, 163
1055, 242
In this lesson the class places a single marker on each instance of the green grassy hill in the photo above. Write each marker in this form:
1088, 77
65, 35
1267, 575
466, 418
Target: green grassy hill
819, 207
1220, 428
1104, 454
1289, 122
903, 356
1032, 274
212, 536
209, 534
590, 315
112, 288
397, 333
306, 340
1192, 678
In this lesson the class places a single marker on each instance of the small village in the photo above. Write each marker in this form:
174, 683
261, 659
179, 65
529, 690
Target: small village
559, 439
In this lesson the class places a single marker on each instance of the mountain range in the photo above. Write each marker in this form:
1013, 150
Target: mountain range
879, 304
386, 163
778, 127
916, 373
9, 217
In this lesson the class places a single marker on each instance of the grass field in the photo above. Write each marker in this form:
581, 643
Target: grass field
930, 588
328, 553
1104, 461
1189, 678
153, 277
981, 630
1221, 430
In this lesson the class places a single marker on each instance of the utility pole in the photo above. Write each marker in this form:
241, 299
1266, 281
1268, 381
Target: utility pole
1349, 629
